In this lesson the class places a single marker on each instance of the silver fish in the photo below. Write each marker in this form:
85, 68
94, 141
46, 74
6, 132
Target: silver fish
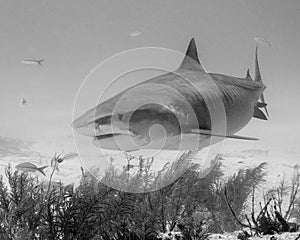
135, 34
32, 61
59, 158
192, 106
30, 167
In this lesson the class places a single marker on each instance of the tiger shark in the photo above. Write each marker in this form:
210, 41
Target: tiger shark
187, 109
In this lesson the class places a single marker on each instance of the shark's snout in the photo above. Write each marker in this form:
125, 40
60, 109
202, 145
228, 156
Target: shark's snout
78, 123
84, 120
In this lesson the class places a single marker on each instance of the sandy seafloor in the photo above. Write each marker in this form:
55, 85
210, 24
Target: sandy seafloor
40, 153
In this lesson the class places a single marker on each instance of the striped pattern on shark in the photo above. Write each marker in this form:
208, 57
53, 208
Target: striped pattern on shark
180, 102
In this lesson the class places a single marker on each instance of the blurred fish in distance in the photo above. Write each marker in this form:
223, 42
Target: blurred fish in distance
255, 152
23, 102
32, 61
263, 41
59, 158
68, 156
30, 167
135, 34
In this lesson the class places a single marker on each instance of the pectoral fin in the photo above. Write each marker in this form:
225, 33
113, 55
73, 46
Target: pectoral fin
209, 133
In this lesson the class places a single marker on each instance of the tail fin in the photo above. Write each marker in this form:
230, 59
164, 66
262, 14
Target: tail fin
40, 61
259, 79
40, 169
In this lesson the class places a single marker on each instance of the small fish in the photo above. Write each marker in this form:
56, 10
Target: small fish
70, 155
135, 34
23, 102
262, 41
32, 61
30, 167
58, 158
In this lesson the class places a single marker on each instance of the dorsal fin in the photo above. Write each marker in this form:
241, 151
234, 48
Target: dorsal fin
248, 76
191, 60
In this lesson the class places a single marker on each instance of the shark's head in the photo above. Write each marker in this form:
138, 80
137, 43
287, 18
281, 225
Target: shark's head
126, 123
